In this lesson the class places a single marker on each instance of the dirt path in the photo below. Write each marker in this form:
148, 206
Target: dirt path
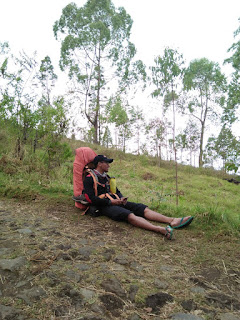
55, 264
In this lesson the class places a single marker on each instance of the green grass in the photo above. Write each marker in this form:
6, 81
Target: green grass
203, 192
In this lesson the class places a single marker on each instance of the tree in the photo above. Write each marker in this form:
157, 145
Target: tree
138, 125
47, 78
226, 146
233, 101
166, 74
53, 124
156, 130
107, 138
18, 97
203, 78
118, 115
192, 138
96, 50
181, 143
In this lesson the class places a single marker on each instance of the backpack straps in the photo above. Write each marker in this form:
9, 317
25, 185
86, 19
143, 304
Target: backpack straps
96, 182
107, 195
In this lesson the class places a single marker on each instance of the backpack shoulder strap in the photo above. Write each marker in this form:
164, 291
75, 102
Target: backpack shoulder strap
95, 179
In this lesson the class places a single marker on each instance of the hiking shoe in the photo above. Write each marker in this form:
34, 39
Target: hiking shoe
80, 199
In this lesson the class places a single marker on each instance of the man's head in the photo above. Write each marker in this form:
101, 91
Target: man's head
101, 163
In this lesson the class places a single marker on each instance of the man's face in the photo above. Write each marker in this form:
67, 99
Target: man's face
104, 166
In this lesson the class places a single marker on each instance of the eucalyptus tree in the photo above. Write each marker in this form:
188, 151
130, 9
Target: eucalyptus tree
192, 135
52, 116
166, 76
97, 53
138, 126
206, 86
233, 101
47, 78
156, 130
226, 146
19, 99
181, 143
118, 115
5, 99
107, 138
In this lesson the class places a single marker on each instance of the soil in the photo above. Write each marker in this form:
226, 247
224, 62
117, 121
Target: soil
57, 264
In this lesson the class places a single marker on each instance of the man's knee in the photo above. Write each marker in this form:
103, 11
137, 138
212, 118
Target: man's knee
131, 217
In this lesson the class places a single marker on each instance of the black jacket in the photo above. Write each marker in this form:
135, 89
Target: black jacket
102, 188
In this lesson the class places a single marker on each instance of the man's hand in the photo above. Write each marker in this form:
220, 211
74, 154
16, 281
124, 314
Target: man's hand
124, 200
116, 202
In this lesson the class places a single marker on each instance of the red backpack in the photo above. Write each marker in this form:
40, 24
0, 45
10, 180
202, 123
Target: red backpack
83, 156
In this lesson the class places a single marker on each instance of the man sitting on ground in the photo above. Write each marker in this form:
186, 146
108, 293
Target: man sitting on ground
118, 208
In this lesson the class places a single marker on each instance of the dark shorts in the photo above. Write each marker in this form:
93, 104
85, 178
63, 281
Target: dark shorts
120, 213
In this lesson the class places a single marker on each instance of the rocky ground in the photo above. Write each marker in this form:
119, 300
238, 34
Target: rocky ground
56, 264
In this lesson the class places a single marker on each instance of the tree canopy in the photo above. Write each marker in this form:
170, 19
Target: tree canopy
96, 50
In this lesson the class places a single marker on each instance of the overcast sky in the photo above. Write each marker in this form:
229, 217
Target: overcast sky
196, 28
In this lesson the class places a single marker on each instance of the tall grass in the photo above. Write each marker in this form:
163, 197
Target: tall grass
202, 192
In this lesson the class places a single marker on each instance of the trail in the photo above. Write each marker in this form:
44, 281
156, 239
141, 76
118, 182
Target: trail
56, 264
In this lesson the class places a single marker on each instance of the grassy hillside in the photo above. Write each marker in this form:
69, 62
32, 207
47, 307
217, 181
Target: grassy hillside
203, 192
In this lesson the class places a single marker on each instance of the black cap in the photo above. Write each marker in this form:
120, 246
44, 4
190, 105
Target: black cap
101, 158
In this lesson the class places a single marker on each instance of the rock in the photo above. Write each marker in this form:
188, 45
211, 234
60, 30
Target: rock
92, 317
198, 289
12, 264
185, 316
82, 267
25, 231
97, 308
136, 266
53, 279
223, 301
132, 292
42, 247
59, 311
83, 242
199, 282
31, 295
158, 300
134, 317
112, 304
166, 268
108, 253
121, 259
63, 247
7, 312
4, 251
73, 275
118, 267
85, 253
22, 284
114, 286
228, 316
189, 305
160, 284
87, 294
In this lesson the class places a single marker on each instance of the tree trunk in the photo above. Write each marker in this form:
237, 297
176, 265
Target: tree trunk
174, 147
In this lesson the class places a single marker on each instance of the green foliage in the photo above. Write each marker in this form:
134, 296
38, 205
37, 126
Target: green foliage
208, 85
166, 71
233, 99
96, 50
225, 146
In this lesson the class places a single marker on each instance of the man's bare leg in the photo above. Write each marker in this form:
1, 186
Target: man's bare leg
158, 217
144, 224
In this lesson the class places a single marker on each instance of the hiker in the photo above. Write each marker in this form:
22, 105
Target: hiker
118, 208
